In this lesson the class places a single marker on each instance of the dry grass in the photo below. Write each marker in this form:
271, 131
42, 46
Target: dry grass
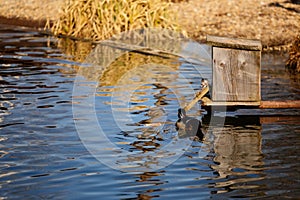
100, 20
293, 63
275, 25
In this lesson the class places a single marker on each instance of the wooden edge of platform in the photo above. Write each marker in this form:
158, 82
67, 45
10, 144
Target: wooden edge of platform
229, 103
235, 43
259, 104
280, 104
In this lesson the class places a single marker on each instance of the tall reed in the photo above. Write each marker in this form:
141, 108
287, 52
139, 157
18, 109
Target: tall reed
101, 19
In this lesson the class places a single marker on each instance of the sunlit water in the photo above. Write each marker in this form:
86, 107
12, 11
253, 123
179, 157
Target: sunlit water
42, 155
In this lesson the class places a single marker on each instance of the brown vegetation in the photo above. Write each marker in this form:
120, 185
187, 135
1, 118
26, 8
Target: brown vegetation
293, 63
275, 22
100, 20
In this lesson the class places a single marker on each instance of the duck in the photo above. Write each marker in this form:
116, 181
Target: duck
189, 125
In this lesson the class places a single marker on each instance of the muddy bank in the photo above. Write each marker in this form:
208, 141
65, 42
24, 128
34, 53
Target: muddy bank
275, 23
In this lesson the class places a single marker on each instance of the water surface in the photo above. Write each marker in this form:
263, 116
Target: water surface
43, 157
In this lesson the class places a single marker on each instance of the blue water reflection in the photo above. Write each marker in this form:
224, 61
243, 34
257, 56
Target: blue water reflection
42, 155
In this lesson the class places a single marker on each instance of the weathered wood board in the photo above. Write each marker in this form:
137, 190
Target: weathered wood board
236, 75
234, 43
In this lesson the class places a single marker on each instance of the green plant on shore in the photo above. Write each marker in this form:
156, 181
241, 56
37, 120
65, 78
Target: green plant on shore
293, 63
101, 19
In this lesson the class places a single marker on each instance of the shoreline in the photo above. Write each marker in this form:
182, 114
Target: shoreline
275, 25
37, 24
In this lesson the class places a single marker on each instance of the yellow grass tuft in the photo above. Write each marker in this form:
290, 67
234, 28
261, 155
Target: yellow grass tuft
293, 63
101, 19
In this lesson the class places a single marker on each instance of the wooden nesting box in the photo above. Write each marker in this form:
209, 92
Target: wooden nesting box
236, 71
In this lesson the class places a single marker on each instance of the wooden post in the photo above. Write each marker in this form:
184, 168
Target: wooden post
236, 71
196, 98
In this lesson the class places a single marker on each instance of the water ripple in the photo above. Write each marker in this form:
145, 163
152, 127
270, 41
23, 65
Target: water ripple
41, 155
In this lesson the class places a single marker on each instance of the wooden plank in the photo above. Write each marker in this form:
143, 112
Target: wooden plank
247, 75
295, 104
196, 98
235, 43
231, 103
222, 86
280, 104
236, 75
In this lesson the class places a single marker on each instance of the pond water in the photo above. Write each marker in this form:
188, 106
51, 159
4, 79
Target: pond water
71, 131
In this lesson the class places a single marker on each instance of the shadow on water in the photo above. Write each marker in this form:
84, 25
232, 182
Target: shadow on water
245, 154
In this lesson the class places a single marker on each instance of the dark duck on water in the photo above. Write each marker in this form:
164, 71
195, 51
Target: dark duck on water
190, 125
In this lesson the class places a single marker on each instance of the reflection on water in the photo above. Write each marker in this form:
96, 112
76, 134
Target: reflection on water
238, 156
142, 92
136, 98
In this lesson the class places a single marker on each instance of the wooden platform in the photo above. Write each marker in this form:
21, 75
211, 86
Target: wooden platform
236, 69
